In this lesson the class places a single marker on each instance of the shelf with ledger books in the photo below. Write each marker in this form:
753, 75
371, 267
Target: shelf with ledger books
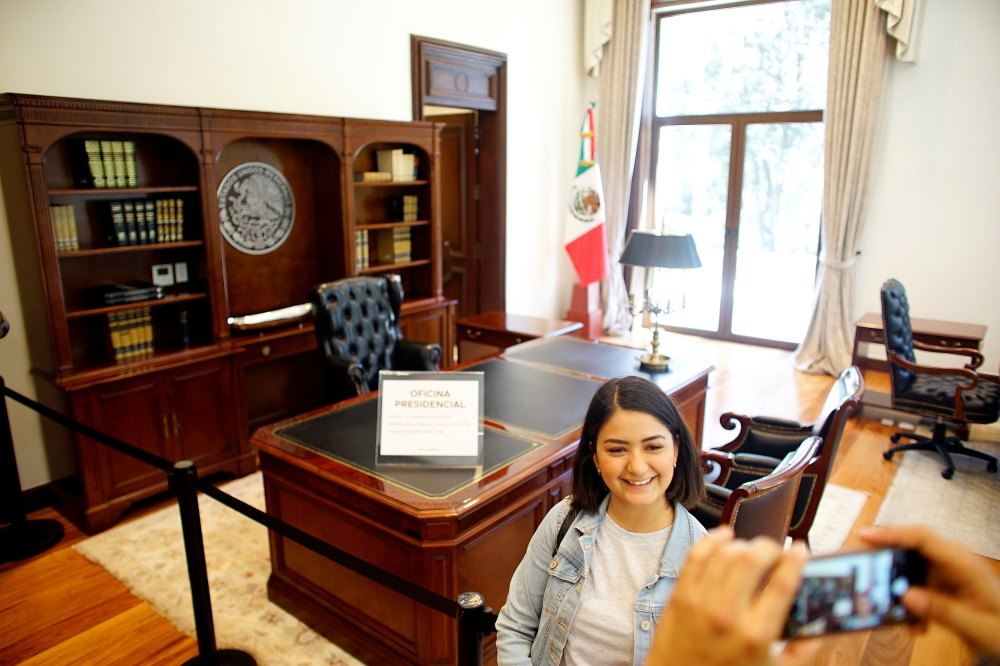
391, 225
90, 192
389, 268
169, 299
359, 183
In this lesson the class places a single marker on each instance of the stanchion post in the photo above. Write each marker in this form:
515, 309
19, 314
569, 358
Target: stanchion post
183, 479
471, 613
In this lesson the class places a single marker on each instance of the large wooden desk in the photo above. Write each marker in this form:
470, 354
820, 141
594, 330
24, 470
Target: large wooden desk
450, 531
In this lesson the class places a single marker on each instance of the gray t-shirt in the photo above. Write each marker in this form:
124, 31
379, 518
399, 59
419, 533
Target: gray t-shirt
622, 562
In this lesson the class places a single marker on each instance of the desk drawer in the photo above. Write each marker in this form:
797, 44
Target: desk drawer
268, 349
875, 336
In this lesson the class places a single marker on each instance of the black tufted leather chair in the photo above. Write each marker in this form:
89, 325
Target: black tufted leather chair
358, 333
762, 506
763, 441
946, 395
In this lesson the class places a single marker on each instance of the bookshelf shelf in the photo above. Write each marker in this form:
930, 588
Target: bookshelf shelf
97, 369
156, 302
119, 191
391, 183
149, 247
386, 268
391, 225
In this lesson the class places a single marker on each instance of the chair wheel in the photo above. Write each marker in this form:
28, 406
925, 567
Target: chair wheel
895, 438
947, 473
992, 467
887, 455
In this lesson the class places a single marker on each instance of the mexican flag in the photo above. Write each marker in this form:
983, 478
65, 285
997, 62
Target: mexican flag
585, 239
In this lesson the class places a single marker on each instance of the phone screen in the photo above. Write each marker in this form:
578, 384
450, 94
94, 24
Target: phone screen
854, 591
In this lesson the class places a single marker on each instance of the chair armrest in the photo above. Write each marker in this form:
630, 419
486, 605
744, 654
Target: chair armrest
349, 372
721, 458
766, 464
784, 424
411, 355
929, 370
977, 358
763, 424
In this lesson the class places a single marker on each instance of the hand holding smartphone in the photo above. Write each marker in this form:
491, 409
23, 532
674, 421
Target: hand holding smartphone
854, 591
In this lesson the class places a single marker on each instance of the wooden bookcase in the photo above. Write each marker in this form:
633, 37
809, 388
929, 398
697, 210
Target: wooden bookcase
200, 400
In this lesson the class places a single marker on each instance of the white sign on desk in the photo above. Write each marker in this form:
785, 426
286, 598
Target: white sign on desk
430, 418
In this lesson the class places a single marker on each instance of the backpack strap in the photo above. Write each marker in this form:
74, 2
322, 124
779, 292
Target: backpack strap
564, 528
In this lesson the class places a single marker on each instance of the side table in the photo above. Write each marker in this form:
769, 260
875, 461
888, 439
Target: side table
929, 331
488, 333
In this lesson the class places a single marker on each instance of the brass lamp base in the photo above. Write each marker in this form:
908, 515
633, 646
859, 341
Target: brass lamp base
654, 363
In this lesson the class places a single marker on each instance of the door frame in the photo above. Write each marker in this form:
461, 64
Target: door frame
468, 64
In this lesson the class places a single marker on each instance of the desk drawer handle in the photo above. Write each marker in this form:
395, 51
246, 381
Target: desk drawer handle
265, 350
473, 334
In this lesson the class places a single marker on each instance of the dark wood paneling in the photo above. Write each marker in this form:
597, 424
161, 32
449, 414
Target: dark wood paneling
201, 415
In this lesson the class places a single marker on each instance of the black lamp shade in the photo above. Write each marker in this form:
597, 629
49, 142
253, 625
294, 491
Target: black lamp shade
646, 248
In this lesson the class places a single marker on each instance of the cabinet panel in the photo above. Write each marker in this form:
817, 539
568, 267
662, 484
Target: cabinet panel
434, 324
201, 419
133, 411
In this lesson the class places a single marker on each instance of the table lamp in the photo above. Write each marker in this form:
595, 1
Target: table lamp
651, 251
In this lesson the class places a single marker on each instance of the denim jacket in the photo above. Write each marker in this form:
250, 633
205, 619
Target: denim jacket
545, 591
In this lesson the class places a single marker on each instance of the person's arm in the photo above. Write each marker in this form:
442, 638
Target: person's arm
517, 622
720, 615
962, 591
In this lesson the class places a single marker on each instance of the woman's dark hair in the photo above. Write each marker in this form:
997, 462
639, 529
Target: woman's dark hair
635, 394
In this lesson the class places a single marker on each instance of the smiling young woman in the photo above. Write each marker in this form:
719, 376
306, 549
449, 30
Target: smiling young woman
595, 594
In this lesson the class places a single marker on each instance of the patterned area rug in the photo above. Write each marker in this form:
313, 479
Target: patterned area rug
835, 517
966, 508
147, 556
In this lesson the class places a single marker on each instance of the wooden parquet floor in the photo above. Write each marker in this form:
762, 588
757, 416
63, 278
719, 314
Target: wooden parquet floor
58, 608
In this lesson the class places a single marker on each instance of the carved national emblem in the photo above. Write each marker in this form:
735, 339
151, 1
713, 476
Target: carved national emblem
256, 208
584, 203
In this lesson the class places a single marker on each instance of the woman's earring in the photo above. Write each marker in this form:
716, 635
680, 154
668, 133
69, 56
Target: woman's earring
675, 464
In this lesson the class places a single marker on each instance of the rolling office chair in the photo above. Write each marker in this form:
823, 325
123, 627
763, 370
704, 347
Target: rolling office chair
947, 395
357, 328
763, 441
761, 507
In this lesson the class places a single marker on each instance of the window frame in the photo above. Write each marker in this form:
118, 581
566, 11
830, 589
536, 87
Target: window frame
738, 123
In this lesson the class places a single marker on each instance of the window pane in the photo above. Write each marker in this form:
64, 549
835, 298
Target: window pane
692, 190
770, 57
779, 230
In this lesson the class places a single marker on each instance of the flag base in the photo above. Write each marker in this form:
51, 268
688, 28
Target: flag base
586, 308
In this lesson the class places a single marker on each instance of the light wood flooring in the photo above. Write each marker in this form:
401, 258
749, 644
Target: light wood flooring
60, 609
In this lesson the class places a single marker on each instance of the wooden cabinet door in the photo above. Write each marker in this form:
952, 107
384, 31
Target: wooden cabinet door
201, 417
433, 324
134, 411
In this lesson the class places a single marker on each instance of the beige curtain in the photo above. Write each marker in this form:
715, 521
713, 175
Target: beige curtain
623, 73
903, 24
857, 61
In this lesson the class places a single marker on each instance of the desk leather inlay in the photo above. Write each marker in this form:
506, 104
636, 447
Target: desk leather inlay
348, 435
545, 402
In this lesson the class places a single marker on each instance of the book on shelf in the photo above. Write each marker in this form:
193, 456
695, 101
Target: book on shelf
396, 162
109, 164
393, 245
140, 222
373, 177
151, 221
179, 220
123, 293
403, 209
86, 163
118, 159
131, 179
64, 228
360, 250
115, 233
130, 229
131, 334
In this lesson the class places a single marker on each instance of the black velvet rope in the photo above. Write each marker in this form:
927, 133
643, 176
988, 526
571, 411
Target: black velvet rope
395, 583
96, 435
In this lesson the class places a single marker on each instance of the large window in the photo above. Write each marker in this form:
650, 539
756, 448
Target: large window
738, 163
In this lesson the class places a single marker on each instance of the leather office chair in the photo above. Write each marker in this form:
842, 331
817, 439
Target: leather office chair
948, 395
762, 507
358, 333
763, 441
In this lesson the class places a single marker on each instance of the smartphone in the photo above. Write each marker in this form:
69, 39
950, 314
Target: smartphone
854, 591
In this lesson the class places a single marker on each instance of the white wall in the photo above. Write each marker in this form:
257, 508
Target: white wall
326, 57
934, 217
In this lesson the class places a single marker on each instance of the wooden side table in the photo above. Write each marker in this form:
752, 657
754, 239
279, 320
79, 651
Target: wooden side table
929, 331
488, 333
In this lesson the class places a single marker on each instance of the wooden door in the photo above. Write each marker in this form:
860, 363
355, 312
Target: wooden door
459, 194
134, 411
201, 412
466, 77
